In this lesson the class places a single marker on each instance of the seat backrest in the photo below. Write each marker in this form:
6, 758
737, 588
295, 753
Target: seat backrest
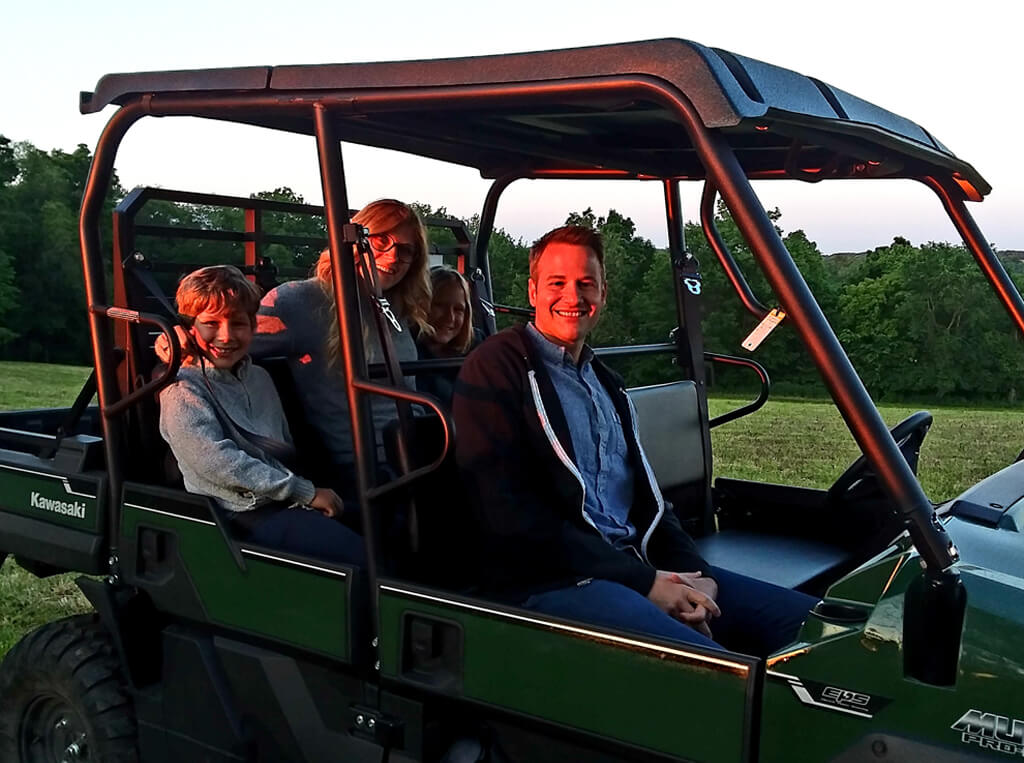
314, 462
671, 433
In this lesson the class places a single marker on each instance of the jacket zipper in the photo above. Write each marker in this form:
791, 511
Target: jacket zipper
650, 476
557, 446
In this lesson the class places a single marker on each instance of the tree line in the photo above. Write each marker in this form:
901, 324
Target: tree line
919, 322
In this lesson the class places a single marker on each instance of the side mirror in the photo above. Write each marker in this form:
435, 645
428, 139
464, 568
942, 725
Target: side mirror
933, 621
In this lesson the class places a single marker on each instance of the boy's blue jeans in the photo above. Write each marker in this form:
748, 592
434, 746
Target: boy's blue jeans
758, 618
308, 533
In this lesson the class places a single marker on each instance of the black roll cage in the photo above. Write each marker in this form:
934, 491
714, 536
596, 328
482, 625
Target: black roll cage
723, 172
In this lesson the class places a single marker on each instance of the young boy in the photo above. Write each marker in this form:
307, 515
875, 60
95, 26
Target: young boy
223, 420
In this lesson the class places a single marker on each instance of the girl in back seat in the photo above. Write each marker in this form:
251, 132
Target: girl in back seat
451, 316
223, 420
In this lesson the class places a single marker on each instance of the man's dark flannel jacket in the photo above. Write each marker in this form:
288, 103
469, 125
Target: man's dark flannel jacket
516, 460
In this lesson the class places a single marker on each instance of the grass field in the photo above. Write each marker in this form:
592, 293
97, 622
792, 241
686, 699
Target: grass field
799, 442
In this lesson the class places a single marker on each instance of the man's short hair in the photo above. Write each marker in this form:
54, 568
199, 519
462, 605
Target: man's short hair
579, 235
217, 288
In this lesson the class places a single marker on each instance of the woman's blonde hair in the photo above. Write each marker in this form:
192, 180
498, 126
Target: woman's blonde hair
410, 297
442, 276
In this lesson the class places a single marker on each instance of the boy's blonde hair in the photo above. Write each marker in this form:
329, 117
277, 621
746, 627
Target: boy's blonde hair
216, 289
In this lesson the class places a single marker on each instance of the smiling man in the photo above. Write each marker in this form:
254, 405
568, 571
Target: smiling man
572, 522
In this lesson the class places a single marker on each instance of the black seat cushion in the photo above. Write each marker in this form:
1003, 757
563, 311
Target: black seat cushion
790, 562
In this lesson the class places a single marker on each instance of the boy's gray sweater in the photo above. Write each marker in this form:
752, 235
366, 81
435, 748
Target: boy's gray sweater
212, 460
293, 322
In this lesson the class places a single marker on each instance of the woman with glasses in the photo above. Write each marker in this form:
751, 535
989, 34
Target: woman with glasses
298, 320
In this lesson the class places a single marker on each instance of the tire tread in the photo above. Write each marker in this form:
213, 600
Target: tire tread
74, 658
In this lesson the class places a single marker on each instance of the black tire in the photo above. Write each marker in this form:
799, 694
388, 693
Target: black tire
62, 697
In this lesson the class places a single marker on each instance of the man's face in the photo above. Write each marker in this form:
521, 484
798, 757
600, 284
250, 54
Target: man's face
222, 337
568, 292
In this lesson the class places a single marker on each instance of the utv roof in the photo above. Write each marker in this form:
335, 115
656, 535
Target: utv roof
601, 108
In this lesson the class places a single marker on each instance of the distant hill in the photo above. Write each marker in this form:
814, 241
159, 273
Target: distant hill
1012, 259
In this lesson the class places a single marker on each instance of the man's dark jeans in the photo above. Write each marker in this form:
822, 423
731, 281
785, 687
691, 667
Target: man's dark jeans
758, 618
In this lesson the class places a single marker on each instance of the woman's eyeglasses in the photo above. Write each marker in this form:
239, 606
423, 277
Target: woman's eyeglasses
385, 242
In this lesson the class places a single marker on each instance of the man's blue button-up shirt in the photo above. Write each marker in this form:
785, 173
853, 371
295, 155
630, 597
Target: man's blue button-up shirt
598, 440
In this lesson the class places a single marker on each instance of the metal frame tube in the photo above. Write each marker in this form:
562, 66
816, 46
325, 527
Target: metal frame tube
677, 248
689, 339
479, 257
343, 269
101, 171
725, 258
987, 260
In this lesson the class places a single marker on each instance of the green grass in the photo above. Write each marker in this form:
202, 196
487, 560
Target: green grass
806, 442
27, 601
798, 442
38, 385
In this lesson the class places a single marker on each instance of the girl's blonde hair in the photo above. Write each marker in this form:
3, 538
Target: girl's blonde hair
410, 297
442, 276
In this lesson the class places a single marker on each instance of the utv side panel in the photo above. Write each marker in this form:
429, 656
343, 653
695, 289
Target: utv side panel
30, 488
184, 562
851, 683
612, 686
53, 518
223, 699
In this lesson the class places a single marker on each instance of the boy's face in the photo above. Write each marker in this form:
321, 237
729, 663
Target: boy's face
223, 337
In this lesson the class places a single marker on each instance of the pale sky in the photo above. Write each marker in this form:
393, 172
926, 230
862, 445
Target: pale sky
950, 67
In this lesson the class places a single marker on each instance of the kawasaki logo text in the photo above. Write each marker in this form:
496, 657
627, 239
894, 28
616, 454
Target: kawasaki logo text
71, 509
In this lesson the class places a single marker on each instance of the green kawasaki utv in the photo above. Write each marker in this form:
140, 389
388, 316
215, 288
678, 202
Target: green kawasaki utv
205, 648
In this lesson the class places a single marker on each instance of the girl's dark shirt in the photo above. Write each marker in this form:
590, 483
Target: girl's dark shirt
441, 383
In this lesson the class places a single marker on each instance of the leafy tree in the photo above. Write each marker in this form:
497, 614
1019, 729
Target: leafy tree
917, 321
9, 297
922, 321
40, 193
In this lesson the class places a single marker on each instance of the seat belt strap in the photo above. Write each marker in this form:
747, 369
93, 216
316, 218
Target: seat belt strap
689, 338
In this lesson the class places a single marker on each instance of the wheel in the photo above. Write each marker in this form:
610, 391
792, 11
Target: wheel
62, 698
859, 480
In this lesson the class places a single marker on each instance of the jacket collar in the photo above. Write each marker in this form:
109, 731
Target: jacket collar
239, 372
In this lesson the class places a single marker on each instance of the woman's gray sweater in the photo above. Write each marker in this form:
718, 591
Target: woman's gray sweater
293, 322
220, 463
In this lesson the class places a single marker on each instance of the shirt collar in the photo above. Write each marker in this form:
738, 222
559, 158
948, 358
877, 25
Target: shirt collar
555, 353
240, 371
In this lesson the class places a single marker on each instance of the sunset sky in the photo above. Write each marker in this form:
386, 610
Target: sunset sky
950, 72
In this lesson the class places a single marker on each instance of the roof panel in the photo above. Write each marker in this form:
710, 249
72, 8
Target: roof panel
859, 110
554, 118
781, 89
114, 88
